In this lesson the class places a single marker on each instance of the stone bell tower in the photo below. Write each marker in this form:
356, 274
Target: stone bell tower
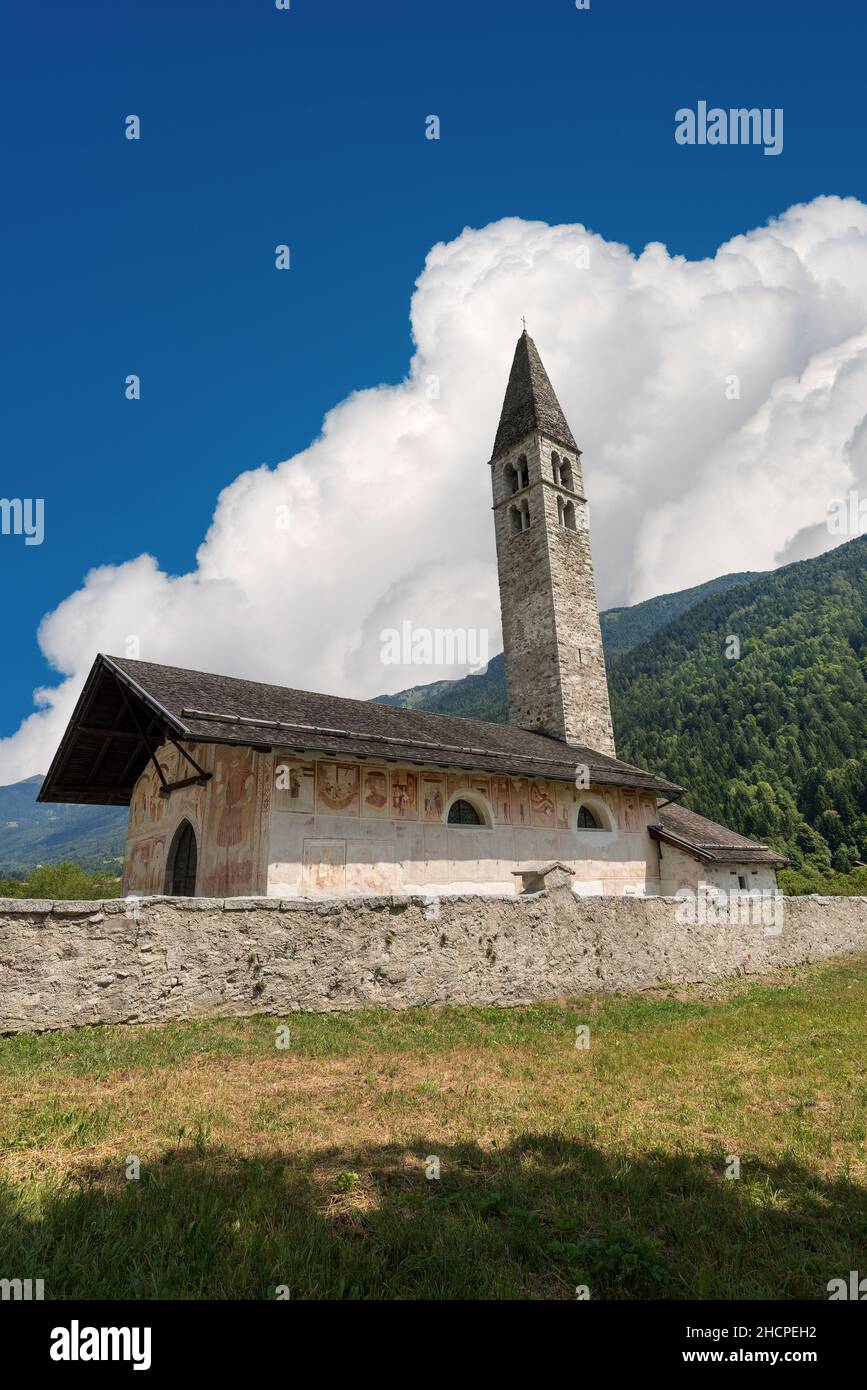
555, 667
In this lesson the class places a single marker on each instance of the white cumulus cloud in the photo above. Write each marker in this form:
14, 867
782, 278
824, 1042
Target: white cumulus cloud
385, 518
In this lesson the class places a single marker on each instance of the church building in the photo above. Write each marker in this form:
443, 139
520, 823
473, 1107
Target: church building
237, 788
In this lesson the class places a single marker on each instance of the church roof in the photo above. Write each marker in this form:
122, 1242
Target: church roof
530, 403
708, 842
129, 707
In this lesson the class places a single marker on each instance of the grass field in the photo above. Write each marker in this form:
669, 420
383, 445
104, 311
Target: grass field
305, 1166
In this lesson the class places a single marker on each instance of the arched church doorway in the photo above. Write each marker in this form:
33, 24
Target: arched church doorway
182, 862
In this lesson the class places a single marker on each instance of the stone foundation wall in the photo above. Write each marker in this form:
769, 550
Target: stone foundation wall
146, 960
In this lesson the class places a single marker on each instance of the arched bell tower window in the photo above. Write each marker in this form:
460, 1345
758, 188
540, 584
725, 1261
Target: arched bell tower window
565, 479
560, 510
555, 467
569, 516
523, 471
510, 474
182, 862
519, 517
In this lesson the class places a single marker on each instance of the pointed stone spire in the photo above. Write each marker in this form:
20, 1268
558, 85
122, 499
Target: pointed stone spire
530, 403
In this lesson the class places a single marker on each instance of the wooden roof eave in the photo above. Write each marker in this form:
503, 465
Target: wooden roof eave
104, 668
656, 832
706, 855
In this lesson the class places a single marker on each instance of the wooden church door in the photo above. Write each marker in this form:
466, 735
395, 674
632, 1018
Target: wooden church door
181, 867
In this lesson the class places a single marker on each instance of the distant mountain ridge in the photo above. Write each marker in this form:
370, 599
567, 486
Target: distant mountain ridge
625, 628
32, 834
771, 739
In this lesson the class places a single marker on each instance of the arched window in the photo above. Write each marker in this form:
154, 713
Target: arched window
587, 819
560, 510
523, 471
565, 479
181, 863
569, 516
464, 813
519, 517
555, 467
511, 476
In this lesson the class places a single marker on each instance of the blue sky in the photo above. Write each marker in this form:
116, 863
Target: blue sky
307, 127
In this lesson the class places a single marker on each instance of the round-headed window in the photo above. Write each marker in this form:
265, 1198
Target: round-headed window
464, 813
587, 819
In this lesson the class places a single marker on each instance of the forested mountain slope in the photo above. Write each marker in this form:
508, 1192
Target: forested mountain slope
772, 742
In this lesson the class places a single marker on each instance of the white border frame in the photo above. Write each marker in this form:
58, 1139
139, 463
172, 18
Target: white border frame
478, 803
608, 832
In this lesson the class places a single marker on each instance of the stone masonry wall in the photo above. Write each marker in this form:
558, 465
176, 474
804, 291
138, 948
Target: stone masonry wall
555, 665
146, 960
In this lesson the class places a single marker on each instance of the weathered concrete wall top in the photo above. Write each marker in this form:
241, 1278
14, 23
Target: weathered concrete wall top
136, 960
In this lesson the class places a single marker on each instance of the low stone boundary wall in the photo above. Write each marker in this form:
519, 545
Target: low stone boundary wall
144, 960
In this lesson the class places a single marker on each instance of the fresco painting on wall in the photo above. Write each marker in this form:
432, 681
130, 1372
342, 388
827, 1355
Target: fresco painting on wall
630, 811
188, 803
502, 800
542, 808
611, 797
370, 867
294, 785
226, 868
137, 868
337, 788
148, 807
520, 801
374, 795
404, 794
482, 785
157, 880
145, 868
565, 801
456, 782
139, 807
324, 866
168, 761
433, 796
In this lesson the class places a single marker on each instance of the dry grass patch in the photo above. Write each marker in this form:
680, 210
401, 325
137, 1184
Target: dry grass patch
558, 1166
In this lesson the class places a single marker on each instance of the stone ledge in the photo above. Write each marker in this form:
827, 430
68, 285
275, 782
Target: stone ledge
47, 907
250, 904
31, 905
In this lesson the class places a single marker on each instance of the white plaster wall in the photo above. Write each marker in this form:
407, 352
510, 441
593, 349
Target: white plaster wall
680, 871
417, 856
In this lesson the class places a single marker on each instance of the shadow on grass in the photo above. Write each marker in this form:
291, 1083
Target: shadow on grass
531, 1220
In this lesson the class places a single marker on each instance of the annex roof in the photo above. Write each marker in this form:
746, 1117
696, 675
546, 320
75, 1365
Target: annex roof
709, 842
